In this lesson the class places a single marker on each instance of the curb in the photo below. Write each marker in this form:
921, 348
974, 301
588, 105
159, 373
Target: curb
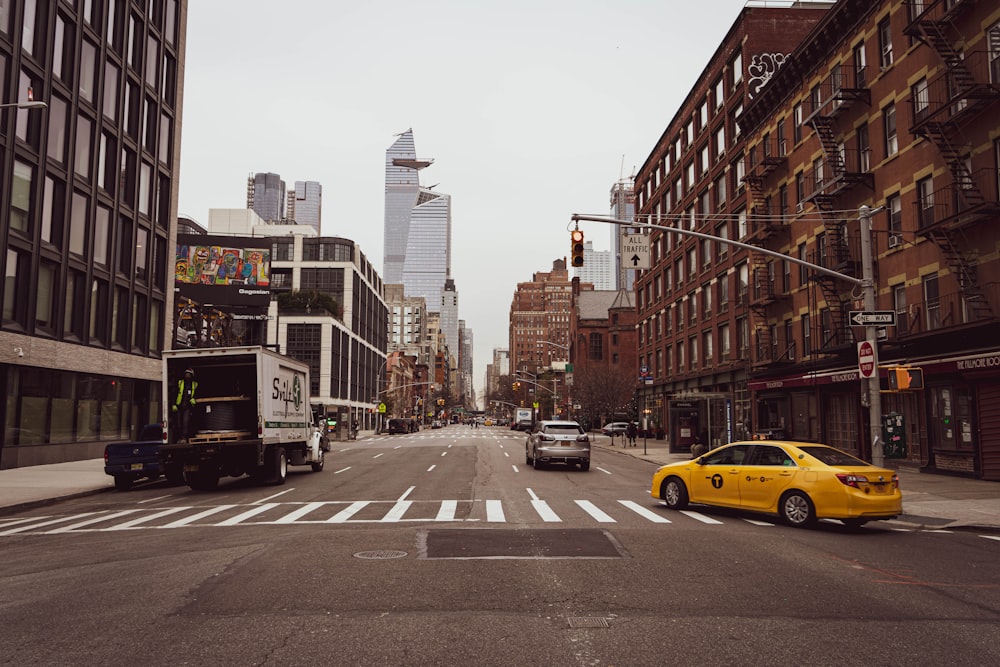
32, 504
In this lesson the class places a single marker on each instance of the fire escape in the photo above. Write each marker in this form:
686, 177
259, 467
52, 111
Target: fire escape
765, 226
941, 108
834, 175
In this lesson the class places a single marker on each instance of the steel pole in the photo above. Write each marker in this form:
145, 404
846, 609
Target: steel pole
871, 334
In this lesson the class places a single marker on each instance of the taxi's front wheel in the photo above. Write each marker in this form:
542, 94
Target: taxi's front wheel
796, 509
674, 493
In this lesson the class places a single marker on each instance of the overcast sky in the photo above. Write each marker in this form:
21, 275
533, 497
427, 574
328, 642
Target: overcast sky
530, 109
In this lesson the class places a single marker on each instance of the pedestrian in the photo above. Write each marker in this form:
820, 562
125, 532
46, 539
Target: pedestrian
184, 404
631, 431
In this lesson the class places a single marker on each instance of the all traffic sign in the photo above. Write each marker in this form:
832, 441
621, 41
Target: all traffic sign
866, 358
886, 318
635, 251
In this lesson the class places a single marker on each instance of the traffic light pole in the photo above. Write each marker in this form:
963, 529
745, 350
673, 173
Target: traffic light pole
866, 283
871, 335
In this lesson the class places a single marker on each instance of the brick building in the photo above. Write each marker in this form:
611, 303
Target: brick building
691, 329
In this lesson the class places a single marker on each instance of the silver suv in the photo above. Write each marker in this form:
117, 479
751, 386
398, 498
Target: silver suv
557, 442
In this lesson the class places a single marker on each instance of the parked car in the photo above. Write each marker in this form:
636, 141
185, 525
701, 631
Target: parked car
799, 482
614, 428
129, 462
436, 423
557, 442
397, 426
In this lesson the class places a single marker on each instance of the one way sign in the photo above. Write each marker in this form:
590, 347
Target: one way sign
860, 318
635, 251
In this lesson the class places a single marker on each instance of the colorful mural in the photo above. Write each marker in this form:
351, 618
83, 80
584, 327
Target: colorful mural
219, 265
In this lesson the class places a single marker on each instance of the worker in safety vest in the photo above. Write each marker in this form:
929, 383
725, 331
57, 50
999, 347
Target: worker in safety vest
184, 404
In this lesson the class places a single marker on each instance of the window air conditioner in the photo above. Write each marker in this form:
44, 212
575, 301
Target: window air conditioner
895, 240
800, 207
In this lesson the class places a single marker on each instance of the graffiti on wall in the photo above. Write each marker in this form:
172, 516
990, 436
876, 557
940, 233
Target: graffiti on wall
762, 68
219, 265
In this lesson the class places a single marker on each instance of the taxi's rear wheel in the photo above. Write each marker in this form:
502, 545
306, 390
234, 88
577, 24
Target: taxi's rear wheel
674, 493
796, 509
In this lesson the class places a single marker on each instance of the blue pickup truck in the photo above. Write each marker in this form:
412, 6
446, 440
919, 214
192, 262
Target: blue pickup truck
129, 462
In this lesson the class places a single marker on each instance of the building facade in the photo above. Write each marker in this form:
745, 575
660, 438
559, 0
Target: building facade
598, 267
305, 204
891, 105
622, 208
266, 196
89, 185
693, 325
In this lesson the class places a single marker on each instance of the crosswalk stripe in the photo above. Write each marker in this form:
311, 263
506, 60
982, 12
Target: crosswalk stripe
200, 515
249, 514
292, 517
755, 522
700, 517
591, 509
494, 511
447, 510
148, 518
397, 511
644, 512
346, 513
50, 522
545, 511
89, 522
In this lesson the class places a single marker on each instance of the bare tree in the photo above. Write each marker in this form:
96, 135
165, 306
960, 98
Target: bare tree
603, 391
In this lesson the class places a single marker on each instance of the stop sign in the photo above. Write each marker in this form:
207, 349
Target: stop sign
866, 358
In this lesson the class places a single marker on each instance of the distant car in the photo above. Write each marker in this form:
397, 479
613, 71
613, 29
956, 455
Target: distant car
615, 428
799, 482
436, 423
397, 426
557, 442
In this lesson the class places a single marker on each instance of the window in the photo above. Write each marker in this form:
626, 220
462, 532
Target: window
925, 201
110, 90
736, 67
20, 197
797, 120
720, 142
596, 347
993, 44
899, 305
73, 303
885, 43
894, 208
101, 227
693, 351
724, 340
78, 225
720, 95
99, 309
932, 301
15, 288
741, 225
921, 100
692, 308
705, 163
58, 129
806, 335
706, 301
707, 345
864, 148
723, 284
141, 253
84, 140
860, 66
779, 133
703, 115
53, 214
88, 64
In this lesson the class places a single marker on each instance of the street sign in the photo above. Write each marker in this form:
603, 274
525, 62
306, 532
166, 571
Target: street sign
635, 251
866, 358
886, 318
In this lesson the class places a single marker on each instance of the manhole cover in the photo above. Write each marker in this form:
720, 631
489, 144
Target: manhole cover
382, 554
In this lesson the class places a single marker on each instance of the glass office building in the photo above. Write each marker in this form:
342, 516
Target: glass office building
88, 199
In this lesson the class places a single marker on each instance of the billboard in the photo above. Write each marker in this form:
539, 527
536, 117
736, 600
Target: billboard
223, 270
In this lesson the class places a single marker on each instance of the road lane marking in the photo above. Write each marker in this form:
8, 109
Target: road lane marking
607, 472
349, 511
431, 468
755, 522
152, 500
249, 514
599, 515
700, 517
88, 522
342, 470
408, 492
443, 453
200, 515
291, 517
506, 454
515, 468
447, 510
532, 494
397, 511
148, 517
991, 537
378, 455
279, 493
644, 512
494, 511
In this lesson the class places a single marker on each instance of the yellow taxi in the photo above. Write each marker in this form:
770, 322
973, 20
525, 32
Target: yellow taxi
799, 482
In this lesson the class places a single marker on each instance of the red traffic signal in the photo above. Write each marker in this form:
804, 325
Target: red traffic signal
576, 247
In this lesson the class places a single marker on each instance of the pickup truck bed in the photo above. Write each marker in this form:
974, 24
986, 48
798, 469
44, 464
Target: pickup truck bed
129, 462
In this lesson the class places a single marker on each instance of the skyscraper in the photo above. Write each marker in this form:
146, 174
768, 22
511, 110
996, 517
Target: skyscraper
266, 196
598, 267
417, 242
622, 208
305, 204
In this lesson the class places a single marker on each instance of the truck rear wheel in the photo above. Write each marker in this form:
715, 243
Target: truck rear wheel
280, 469
202, 481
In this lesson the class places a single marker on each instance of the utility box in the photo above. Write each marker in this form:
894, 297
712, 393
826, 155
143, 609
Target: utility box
894, 436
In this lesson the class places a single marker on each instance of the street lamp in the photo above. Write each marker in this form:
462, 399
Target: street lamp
30, 104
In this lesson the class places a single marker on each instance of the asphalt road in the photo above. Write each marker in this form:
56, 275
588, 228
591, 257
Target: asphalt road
444, 548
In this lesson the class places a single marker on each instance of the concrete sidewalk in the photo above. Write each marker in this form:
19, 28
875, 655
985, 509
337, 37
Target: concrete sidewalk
929, 501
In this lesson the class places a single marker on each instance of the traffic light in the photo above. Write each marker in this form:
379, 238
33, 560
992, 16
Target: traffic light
576, 247
904, 377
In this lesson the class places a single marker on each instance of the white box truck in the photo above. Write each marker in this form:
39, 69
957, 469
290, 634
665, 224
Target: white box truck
250, 416
524, 419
